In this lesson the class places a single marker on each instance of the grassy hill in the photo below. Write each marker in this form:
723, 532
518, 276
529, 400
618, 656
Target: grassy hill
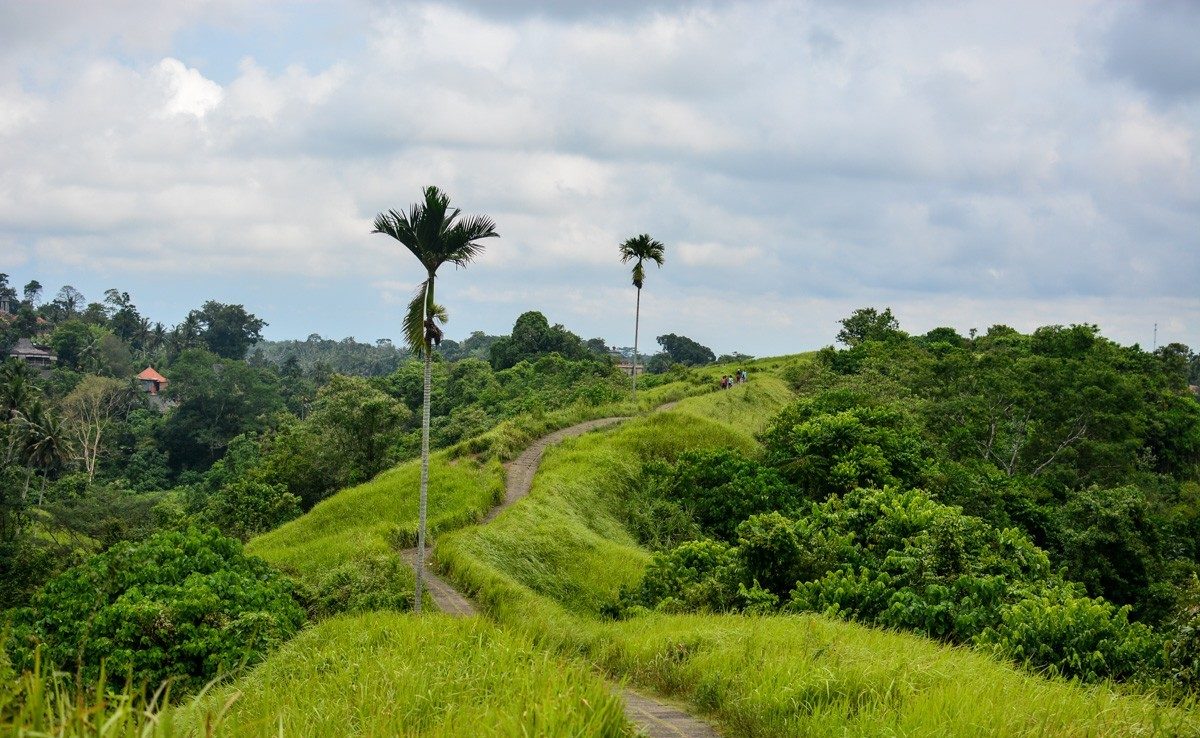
545, 570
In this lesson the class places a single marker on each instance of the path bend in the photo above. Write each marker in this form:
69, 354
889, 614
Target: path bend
653, 718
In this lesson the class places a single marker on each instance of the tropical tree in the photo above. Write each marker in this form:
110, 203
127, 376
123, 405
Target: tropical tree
44, 438
434, 233
641, 248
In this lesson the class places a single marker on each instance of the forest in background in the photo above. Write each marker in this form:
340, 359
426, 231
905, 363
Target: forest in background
247, 433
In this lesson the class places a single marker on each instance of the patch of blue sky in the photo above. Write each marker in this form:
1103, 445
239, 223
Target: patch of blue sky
312, 35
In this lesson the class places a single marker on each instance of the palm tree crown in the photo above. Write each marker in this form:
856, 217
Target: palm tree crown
643, 248
434, 233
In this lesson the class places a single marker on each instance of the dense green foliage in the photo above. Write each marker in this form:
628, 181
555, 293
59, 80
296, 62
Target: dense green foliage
1033, 495
185, 606
548, 565
532, 338
683, 350
321, 357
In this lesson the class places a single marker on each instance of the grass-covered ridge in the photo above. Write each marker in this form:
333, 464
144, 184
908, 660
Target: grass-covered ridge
390, 674
549, 566
380, 516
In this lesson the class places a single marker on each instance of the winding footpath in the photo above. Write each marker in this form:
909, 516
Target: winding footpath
652, 717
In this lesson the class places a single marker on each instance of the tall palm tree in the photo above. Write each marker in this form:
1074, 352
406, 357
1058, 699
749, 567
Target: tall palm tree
433, 232
643, 248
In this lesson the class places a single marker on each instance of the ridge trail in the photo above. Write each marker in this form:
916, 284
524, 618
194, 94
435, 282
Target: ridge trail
652, 717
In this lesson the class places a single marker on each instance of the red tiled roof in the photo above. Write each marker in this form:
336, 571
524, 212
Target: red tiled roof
152, 375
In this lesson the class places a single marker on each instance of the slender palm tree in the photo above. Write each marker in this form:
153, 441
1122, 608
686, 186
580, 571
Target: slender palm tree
434, 233
643, 248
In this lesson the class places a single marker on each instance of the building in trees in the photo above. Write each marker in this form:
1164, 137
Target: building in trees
38, 357
151, 381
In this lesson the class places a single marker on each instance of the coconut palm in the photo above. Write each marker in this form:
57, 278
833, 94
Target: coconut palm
433, 232
44, 440
643, 248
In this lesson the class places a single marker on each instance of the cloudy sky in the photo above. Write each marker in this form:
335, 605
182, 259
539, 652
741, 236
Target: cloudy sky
966, 164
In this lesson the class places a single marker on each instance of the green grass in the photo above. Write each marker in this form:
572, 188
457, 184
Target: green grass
386, 674
510, 437
378, 517
547, 566
572, 546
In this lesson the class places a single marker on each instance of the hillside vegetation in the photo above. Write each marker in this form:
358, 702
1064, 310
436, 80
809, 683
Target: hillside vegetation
735, 549
778, 675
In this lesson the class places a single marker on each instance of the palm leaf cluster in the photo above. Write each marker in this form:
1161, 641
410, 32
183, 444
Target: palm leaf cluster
436, 234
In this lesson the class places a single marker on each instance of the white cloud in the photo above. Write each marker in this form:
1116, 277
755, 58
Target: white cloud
799, 159
185, 90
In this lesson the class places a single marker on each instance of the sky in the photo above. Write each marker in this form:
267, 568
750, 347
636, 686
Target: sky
964, 163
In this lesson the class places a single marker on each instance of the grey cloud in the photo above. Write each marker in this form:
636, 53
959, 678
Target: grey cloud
1156, 46
573, 9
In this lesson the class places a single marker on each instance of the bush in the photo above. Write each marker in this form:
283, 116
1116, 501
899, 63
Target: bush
837, 442
1074, 636
184, 606
721, 488
370, 583
247, 506
699, 575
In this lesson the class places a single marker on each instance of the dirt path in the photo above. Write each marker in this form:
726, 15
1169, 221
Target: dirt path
652, 717
522, 468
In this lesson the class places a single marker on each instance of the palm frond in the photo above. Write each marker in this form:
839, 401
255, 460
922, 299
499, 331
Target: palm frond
400, 227
421, 319
462, 240
414, 321
643, 248
433, 232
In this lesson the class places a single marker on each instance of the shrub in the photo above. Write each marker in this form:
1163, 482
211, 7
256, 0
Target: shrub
696, 575
836, 442
1074, 636
370, 583
182, 605
720, 488
248, 506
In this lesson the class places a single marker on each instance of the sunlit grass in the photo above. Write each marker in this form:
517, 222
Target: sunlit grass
385, 674
380, 516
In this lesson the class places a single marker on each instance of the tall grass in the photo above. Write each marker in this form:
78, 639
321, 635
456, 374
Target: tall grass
380, 516
49, 704
387, 674
549, 564
379, 674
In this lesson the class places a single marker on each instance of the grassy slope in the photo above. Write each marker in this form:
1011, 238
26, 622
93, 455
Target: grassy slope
376, 518
386, 674
379, 516
547, 565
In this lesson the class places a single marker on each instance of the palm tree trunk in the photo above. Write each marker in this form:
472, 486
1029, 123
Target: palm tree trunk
637, 317
424, 482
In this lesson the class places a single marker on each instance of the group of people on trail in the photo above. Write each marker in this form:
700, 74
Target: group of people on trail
738, 377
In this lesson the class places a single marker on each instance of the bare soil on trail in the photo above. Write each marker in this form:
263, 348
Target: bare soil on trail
653, 718
522, 469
